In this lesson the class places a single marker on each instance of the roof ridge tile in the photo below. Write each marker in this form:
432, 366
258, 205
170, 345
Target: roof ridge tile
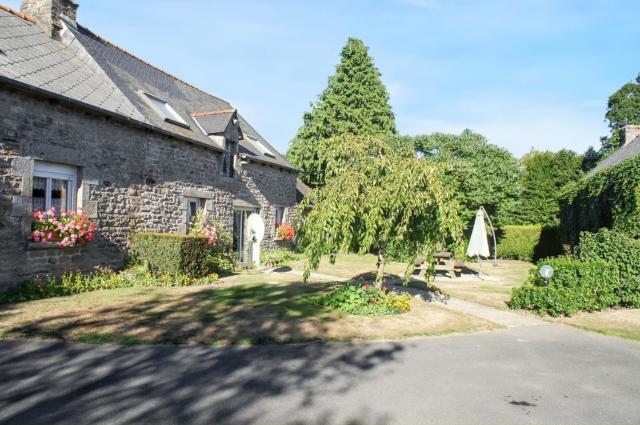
22, 15
205, 114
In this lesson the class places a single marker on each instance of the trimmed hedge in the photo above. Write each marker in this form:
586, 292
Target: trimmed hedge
609, 199
171, 254
576, 285
528, 242
605, 272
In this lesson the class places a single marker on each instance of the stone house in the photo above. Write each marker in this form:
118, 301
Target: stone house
86, 124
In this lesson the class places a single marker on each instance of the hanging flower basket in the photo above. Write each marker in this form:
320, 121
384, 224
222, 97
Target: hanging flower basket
66, 229
284, 232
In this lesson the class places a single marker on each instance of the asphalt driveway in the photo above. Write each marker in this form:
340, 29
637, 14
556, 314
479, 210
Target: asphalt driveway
533, 374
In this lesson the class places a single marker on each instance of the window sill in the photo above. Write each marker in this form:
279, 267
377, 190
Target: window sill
40, 246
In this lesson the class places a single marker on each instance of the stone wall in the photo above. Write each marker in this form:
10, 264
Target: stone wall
129, 179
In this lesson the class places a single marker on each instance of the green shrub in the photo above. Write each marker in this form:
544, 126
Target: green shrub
576, 285
279, 257
623, 253
221, 262
75, 283
171, 254
609, 199
528, 242
366, 300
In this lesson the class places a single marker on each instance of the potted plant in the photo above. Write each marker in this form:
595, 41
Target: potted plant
66, 229
284, 232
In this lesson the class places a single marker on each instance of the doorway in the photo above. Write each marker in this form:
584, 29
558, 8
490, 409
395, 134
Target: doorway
241, 243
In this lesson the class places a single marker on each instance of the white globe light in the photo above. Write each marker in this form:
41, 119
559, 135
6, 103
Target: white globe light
546, 271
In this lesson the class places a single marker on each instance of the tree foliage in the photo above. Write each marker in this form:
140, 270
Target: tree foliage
376, 196
478, 173
355, 101
544, 178
623, 108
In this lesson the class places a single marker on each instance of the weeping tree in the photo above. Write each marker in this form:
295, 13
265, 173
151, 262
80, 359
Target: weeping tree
376, 196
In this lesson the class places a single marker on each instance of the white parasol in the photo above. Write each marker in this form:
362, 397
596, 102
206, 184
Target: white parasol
478, 244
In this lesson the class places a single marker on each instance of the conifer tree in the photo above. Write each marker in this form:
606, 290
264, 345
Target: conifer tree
355, 102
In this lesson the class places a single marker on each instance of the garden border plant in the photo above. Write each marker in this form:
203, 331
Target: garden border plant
76, 282
366, 300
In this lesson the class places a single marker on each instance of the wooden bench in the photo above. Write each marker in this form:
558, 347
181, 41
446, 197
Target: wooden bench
444, 262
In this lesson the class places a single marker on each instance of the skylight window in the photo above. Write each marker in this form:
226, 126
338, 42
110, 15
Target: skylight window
165, 110
265, 151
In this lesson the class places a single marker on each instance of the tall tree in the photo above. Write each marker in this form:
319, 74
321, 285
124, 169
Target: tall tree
376, 197
623, 108
478, 172
545, 176
355, 102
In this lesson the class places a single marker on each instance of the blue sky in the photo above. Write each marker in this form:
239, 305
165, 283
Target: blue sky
530, 73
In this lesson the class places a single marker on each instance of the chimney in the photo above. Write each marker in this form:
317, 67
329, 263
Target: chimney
47, 13
629, 133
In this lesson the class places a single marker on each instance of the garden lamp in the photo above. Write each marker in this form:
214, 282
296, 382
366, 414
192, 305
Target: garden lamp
546, 272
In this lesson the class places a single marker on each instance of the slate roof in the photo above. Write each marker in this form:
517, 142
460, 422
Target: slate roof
628, 151
89, 69
31, 57
215, 122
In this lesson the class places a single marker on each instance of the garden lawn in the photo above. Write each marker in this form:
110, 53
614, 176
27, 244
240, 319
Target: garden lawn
511, 274
624, 323
243, 309
352, 266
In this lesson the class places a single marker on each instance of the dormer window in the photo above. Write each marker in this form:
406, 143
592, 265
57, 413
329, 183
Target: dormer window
165, 110
228, 158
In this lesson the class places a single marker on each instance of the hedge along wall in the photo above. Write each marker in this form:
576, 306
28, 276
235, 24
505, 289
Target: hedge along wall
609, 199
171, 254
528, 242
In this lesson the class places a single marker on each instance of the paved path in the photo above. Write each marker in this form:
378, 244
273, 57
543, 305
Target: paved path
520, 375
505, 318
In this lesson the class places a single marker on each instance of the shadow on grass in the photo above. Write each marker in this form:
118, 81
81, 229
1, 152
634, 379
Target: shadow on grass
240, 314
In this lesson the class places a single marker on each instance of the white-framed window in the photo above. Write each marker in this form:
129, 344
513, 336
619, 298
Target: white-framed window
165, 110
54, 186
281, 216
194, 206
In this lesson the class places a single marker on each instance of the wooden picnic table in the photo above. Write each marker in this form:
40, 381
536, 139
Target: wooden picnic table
444, 262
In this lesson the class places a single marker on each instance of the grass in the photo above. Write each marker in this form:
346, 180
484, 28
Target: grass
352, 265
492, 293
511, 274
623, 323
243, 309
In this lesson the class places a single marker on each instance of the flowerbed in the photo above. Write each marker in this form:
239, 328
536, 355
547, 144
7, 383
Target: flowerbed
366, 300
67, 228
75, 283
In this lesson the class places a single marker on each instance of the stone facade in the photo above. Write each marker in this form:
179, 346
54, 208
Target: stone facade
129, 179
